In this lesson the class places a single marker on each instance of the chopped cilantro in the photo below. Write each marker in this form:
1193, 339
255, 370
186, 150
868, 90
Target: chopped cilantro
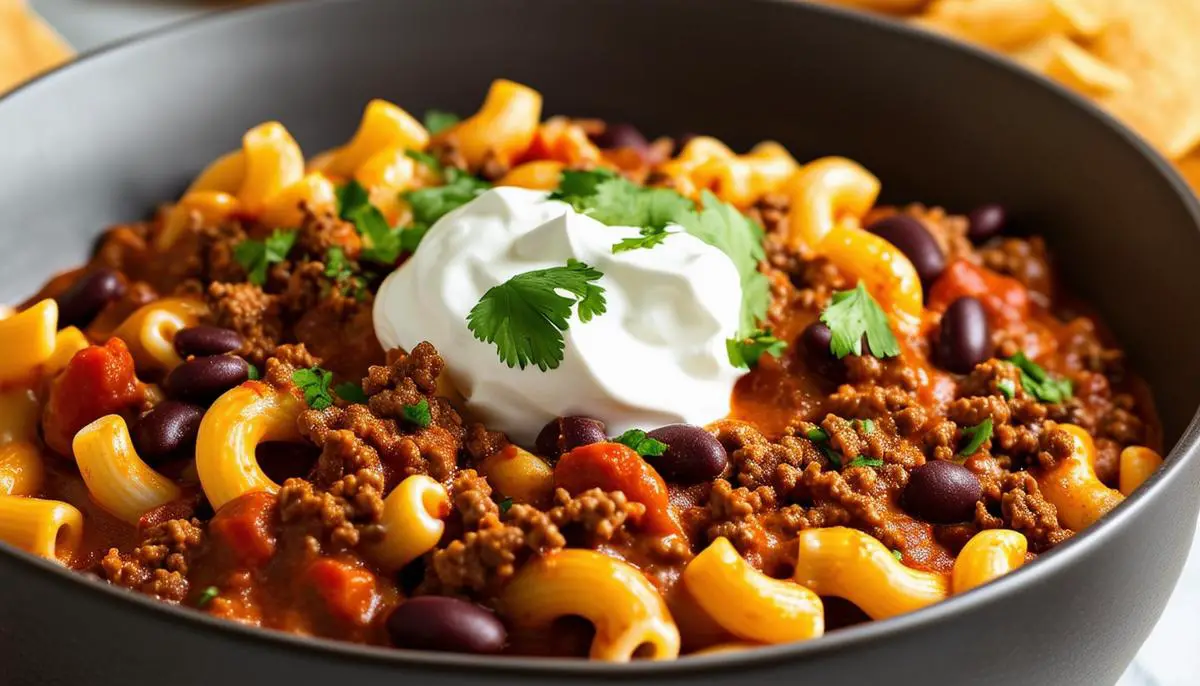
853, 314
381, 243
256, 256
207, 596
642, 443
898, 555
351, 393
411, 236
1008, 388
506, 505
425, 159
338, 268
745, 352
862, 461
834, 456
431, 204
351, 197
816, 435
314, 383
526, 315
437, 121
418, 413
867, 426
646, 238
1039, 383
253, 374
976, 435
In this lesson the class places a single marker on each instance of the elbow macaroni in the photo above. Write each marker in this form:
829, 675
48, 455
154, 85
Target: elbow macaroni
47, 528
27, 341
504, 127
21, 468
230, 432
1072, 487
626, 610
1137, 464
412, 521
118, 480
850, 564
150, 330
750, 604
519, 474
989, 555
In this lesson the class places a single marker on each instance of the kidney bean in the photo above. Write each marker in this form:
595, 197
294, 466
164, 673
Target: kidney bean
964, 338
621, 135
986, 221
79, 304
693, 454
912, 238
446, 624
942, 492
204, 379
564, 434
813, 345
202, 341
167, 430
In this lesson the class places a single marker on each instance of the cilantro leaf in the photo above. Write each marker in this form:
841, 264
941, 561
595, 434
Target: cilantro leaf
976, 435
253, 374
206, 596
646, 238
505, 505
314, 383
526, 315
425, 159
437, 121
256, 256
1039, 383
816, 435
641, 442
867, 426
410, 237
351, 197
1007, 388
336, 266
745, 352
381, 243
577, 188
862, 461
418, 413
431, 204
898, 555
852, 314
351, 393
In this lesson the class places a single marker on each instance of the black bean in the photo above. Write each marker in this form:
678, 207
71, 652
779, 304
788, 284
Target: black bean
167, 431
202, 341
964, 337
564, 434
693, 454
912, 238
446, 624
986, 221
621, 135
83, 300
204, 379
942, 492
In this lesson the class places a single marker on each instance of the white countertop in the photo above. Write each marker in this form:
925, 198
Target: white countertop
1170, 657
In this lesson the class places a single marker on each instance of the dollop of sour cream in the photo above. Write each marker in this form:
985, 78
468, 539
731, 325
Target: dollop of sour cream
656, 356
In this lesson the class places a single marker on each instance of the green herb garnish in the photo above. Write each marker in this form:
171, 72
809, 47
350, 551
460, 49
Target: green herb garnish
252, 373
646, 238
861, 461
314, 383
425, 159
431, 204
898, 555
1007, 388
976, 435
256, 256
745, 352
867, 426
642, 443
418, 413
506, 505
437, 121
526, 315
207, 596
816, 435
351, 393
1039, 383
852, 314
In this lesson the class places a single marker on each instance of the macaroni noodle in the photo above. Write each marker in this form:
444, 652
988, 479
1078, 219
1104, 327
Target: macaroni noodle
412, 521
989, 555
117, 478
1072, 486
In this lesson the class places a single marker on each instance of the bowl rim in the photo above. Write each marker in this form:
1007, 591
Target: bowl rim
1185, 450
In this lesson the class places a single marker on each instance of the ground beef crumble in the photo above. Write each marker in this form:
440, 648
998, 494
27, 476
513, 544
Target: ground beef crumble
158, 566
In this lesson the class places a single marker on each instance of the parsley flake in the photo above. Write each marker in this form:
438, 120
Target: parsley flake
976, 435
1007, 388
418, 413
253, 374
867, 426
256, 256
314, 383
816, 435
641, 442
208, 595
437, 121
646, 238
351, 393
424, 158
852, 314
865, 462
505, 505
834, 456
431, 204
744, 353
898, 555
525, 316
1039, 383
351, 197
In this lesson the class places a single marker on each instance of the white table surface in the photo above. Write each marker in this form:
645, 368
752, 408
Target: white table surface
1170, 657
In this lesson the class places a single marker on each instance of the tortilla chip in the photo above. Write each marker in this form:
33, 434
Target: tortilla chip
1007, 24
1063, 60
1157, 46
27, 45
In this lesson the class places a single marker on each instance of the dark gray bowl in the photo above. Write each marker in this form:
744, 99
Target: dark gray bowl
108, 138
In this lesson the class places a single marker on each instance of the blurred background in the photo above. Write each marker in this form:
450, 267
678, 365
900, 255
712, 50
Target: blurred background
1137, 59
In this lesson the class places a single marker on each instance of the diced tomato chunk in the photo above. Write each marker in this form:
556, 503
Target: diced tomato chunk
1005, 299
98, 381
245, 526
617, 467
348, 591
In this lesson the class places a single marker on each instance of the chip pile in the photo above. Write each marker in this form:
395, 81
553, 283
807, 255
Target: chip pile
1138, 59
